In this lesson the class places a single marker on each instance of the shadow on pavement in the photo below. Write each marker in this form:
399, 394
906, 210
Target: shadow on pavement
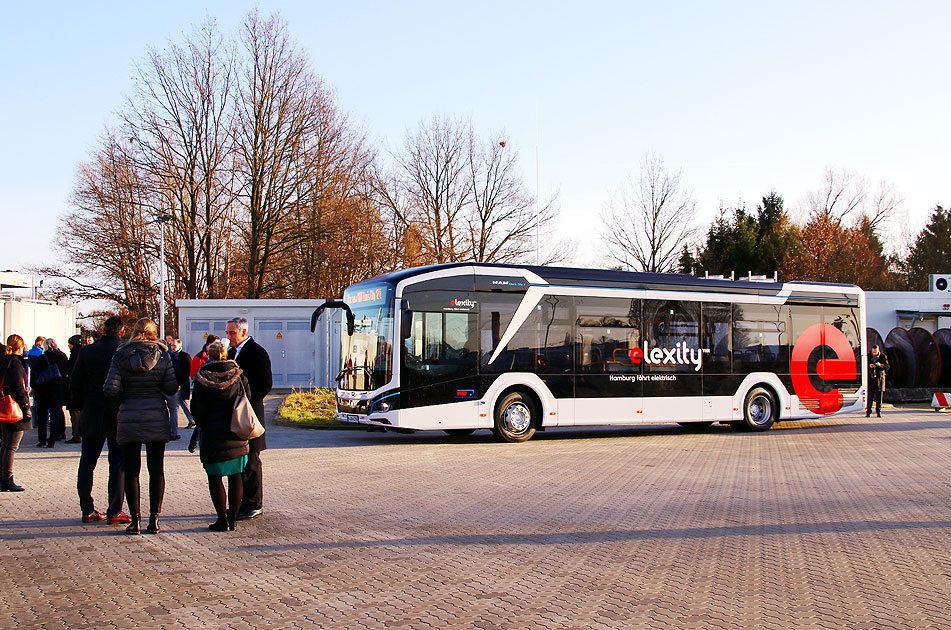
578, 538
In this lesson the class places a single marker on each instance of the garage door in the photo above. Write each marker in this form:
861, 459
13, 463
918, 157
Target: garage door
290, 344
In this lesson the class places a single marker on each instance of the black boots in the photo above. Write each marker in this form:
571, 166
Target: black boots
153, 527
9, 485
133, 528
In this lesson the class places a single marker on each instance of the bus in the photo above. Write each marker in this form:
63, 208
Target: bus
459, 347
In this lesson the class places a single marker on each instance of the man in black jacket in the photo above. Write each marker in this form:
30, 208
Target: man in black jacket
256, 365
97, 421
877, 366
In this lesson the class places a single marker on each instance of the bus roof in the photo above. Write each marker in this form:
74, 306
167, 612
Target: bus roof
575, 275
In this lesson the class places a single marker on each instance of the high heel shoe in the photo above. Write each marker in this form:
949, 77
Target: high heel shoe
133, 528
153, 527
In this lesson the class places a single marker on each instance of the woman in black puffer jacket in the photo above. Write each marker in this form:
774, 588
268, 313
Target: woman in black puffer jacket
13, 381
216, 386
140, 373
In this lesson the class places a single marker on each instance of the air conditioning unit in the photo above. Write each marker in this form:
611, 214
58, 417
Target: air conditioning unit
939, 282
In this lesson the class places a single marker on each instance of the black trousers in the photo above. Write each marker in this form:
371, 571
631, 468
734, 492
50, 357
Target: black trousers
155, 460
91, 450
253, 476
874, 396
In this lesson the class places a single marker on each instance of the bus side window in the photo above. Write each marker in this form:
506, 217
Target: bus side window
715, 341
760, 338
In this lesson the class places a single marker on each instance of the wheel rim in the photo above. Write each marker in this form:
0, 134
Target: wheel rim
517, 418
761, 409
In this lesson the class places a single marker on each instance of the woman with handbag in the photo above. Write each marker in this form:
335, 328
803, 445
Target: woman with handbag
140, 376
49, 392
217, 386
14, 409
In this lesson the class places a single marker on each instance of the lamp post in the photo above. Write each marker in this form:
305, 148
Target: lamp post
162, 219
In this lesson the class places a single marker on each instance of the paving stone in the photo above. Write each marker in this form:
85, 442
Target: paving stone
837, 523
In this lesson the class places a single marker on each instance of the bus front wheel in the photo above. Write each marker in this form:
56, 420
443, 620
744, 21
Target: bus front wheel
515, 418
760, 410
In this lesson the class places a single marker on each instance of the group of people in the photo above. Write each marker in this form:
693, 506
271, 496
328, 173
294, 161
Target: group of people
126, 395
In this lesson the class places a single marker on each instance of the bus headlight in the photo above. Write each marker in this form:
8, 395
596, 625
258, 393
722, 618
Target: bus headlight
387, 402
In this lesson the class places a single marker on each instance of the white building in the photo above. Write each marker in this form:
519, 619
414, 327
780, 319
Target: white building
930, 310
299, 358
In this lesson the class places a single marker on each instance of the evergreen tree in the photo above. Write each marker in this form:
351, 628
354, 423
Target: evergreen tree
931, 252
688, 264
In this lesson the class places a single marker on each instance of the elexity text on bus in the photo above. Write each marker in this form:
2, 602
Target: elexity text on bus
465, 346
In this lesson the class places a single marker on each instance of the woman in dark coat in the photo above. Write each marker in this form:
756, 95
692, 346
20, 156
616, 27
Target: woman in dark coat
75, 343
49, 392
13, 381
216, 386
140, 376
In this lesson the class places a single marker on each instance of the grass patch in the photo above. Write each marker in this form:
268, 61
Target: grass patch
315, 407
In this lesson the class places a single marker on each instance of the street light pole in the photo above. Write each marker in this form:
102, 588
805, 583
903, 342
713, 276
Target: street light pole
161, 220
162, 276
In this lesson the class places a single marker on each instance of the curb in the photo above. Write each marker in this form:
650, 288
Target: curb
317, 427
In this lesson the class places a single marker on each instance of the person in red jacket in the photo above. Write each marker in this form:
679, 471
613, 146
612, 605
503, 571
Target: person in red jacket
199, 359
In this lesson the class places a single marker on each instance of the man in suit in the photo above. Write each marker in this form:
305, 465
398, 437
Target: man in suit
256, 365
97, 422
877, 366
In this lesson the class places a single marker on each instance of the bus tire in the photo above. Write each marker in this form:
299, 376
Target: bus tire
515, 418
459, 432
759, 410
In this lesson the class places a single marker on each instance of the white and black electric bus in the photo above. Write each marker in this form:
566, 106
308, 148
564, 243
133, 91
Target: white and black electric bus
515, 349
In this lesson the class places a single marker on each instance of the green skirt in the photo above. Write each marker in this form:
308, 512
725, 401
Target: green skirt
229, 467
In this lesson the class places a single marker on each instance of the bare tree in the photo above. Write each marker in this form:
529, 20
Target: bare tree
435, 181
649, 220
503, 219
279, 109
179, 121
455, 197
845, 197
108, 242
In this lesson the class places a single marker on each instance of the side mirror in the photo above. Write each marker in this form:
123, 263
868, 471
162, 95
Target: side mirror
333, 304
406, 325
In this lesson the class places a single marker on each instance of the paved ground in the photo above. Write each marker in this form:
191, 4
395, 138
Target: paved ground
839, 524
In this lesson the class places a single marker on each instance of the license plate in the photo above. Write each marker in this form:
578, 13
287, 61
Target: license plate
352, 418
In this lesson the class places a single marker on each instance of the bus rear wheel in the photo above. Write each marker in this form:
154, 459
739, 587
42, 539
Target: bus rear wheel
515, 418
760, 410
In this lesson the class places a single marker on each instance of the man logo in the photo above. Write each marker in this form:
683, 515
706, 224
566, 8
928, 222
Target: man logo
842, 367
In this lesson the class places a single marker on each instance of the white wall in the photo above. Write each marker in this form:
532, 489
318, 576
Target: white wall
31, 318
299, 358
882, 306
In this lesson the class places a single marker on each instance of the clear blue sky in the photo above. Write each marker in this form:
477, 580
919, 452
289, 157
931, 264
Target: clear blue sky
745, 97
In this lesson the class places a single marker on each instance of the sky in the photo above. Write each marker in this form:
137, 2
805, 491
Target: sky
742, 97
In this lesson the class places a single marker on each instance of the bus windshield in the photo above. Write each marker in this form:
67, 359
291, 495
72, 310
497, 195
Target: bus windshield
367, 357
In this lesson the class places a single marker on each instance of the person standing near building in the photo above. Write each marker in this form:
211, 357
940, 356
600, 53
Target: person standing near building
877, 366
13, 381
97, 424
182, 362
223, 453
49, 392
75, 344
256, 365
140, 377
199, 359
32, 356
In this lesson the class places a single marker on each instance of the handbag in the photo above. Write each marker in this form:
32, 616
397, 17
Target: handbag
49, 373
9, 409
244, 422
